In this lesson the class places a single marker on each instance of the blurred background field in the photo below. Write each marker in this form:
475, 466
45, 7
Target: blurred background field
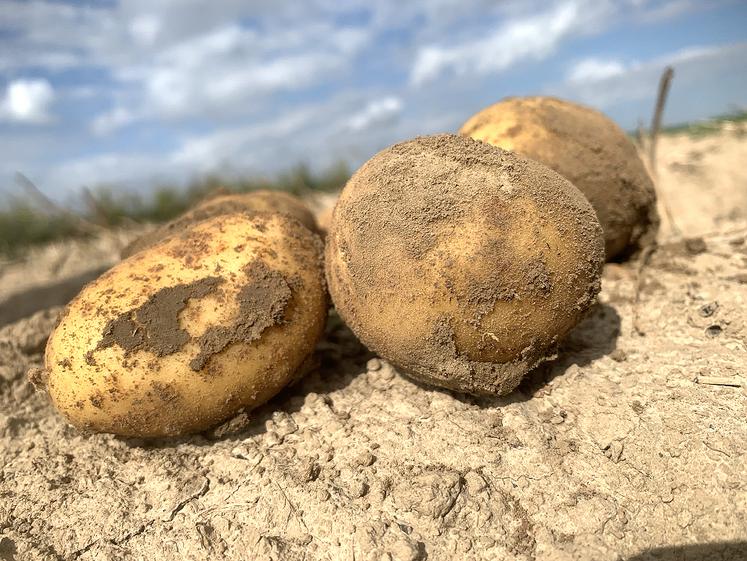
27, 218
26, 221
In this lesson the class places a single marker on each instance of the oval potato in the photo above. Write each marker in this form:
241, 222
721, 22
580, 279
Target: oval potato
460, 263
182, 335
588, 149
256, 201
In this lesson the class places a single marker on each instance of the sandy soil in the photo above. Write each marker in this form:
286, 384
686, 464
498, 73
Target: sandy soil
630, 446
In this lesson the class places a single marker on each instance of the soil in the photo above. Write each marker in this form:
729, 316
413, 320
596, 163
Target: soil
631, 445
154, 326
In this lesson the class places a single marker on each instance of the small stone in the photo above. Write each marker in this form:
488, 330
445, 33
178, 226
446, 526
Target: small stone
667, 496
309, 471
38, 377
272, 438
365, 459
358, 489
373, 365
406, 550
283, 423
619, 355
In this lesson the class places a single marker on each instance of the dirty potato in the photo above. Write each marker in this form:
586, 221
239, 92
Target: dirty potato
256, 201
588, 149
182, 335
460, 263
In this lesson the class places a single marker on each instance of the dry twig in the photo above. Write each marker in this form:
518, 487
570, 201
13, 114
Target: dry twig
731, 381
661, 99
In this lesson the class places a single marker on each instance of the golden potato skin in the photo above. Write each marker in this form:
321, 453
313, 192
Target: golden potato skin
589, 150
256, 201
460, 263
181, 336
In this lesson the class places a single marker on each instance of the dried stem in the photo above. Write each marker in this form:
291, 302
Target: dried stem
661, 99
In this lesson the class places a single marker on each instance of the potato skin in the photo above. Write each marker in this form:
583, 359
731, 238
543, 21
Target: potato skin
588, 149
262, 200
182, 335
460, 263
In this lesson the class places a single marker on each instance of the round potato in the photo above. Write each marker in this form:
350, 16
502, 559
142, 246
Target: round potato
182, 335
460, 263
588, 149
256, 201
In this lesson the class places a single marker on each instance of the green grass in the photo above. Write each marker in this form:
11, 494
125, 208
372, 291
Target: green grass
700, 129
23, 225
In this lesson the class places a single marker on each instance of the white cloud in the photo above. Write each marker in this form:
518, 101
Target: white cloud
592, 69
27, 101
112, 120
230, 70
144, 28
603, 83
244, 145
318, 134
110, 169
524, 37
669, 9
375, 113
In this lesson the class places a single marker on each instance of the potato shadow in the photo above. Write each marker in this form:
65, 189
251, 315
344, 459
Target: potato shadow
28, 302
715, 551
595, 337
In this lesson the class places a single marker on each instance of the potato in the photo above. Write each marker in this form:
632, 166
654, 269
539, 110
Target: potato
181, 336
588, 149
460, 263
255, 201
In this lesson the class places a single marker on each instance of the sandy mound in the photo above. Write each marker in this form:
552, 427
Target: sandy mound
632, 441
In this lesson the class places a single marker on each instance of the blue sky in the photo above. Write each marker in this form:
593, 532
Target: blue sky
135, 92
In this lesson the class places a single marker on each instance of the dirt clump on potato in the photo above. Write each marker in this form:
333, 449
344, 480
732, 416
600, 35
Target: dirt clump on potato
154, 326
256, 201
262, 304
588, 149
462, 264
